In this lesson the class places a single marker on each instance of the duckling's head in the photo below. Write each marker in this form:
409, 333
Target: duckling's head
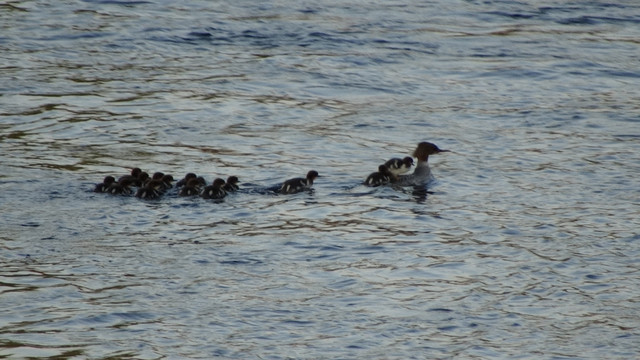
408, 161
218, 182
311, 175
232, 180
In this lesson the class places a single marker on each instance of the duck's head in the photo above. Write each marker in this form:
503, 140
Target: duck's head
425, 149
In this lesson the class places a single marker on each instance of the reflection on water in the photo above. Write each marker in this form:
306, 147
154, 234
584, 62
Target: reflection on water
523, 245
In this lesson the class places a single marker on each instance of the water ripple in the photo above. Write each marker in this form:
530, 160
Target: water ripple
524, 245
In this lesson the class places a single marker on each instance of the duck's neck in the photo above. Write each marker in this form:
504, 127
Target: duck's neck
422, 169
422, 161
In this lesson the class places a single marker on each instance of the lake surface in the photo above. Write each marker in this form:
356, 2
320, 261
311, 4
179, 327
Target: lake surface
525, 245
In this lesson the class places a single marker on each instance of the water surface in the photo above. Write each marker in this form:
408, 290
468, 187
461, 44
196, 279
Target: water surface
524, 246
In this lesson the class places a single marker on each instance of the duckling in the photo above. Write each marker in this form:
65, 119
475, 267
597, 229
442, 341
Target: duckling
232, 184
104, 185
192, 188
150, 191
380, 177
215, 190
399, 166
296, 185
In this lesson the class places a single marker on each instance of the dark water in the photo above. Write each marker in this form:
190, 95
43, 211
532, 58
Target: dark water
525, 246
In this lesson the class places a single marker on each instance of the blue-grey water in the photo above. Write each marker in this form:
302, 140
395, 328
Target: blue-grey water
526, 245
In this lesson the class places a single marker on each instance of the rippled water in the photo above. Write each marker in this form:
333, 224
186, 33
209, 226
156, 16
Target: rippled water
525, 246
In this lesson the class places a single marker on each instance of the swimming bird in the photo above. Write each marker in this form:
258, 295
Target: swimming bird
142, 179
380, 177
104, 185
157, 175
399, 166
201, 181
421, 173
295, 185
215, 190
166, 182
232, 184
136, 178
122, 187
152, 190
185, 180
192, 188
